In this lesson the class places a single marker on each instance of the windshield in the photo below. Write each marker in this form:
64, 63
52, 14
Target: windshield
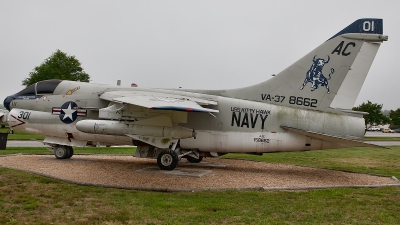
40, 88
47, 86
28, 91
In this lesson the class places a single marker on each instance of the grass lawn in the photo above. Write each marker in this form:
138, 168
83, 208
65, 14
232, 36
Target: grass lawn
383, 161
31, 199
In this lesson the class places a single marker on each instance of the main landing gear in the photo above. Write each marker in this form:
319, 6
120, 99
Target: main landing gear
194, 160
63, 151
168, 159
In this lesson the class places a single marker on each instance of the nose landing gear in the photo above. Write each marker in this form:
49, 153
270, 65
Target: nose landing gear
63, 151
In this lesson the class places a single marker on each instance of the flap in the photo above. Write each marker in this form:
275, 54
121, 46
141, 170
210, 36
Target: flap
330, 138
159, 101
159, 142
50, 140
160, 121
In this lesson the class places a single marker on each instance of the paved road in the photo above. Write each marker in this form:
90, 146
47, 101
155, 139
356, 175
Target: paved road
380, 134
25, 144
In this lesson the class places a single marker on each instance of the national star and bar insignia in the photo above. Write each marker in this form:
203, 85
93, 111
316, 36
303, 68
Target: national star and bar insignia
68, 112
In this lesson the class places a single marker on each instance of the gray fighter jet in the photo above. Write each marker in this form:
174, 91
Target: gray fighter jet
307, 106
3, 116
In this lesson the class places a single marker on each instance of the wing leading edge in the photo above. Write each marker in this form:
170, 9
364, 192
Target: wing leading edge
160, 101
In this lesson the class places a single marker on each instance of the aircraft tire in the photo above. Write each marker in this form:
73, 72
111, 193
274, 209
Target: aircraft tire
194, 160
61, 152
167, 160
70, 152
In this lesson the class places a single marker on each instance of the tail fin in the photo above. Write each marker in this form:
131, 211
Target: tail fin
330, 76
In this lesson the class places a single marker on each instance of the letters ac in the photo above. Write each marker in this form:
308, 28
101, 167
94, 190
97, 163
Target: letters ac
343, 52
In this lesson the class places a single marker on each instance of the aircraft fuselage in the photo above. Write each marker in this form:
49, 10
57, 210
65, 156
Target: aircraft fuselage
240, 125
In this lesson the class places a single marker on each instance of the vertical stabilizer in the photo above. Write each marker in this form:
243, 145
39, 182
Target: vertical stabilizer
330, 76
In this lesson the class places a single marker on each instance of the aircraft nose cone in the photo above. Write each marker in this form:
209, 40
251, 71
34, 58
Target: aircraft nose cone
7, 102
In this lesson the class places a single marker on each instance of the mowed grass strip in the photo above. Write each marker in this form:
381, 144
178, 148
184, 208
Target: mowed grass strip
383, 161
31, 199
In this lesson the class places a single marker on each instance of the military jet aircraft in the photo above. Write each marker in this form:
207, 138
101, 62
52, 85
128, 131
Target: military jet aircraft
3, 116
307, 106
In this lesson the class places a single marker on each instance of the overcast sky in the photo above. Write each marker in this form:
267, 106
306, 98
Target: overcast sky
190, 44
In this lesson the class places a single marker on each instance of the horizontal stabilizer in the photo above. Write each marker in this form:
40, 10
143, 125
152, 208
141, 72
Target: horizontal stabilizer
160, 102
354, 112
330, 138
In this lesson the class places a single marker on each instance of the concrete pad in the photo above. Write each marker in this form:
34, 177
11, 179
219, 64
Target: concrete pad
202, 164
176, 171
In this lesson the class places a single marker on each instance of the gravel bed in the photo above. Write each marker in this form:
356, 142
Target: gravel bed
120, 171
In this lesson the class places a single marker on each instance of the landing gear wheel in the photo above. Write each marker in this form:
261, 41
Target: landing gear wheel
70, 152
61, 152
167, 160
194, 160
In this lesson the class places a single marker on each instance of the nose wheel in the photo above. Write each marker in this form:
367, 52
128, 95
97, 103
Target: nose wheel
63, 152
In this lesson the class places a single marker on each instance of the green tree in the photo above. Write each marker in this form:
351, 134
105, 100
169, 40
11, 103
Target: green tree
374, 111
395, 118
58, 66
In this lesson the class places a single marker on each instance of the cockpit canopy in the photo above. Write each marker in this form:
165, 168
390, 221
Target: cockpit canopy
40, 88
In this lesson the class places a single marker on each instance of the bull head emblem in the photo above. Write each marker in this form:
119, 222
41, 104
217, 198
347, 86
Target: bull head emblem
315, 76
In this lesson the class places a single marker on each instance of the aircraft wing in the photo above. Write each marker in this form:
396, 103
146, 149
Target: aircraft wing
160, 101
330, 138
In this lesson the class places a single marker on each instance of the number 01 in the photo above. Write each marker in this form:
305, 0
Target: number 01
369, 25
